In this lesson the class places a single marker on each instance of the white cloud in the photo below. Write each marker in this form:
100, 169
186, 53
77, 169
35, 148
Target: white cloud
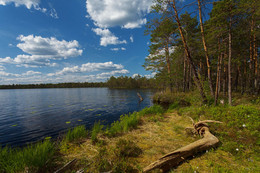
68, 74
135, 75
117, 49
28, 3
42, 50
2, 68
161, 52
89, 67
147, 76
28, 73
150, 75
5, 74
31, 4
53, 13
124, 13
107, 37
132, 39
31, 73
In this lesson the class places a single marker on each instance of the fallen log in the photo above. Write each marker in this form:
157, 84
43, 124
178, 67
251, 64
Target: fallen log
176, 157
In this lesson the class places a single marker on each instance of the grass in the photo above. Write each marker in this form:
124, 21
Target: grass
97, 128
34, 158
76, 134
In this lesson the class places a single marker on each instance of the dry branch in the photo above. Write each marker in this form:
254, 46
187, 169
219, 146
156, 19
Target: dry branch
66, 166
174, 158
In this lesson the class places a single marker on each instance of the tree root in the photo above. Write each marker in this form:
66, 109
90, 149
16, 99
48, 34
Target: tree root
176, 157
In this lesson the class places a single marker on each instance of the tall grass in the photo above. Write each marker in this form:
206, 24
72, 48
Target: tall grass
125, 123
34, 158
97, 128
76, 134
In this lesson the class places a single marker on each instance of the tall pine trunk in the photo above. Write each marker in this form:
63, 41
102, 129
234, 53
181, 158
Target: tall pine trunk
229, 62
218, 74
206, 51
195, 73
184, 73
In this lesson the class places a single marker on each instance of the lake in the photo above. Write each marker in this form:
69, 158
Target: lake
29, 115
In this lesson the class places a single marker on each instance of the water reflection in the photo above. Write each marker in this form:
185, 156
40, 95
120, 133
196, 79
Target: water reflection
33, 114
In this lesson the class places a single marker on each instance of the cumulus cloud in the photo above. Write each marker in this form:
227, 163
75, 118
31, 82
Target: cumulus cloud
124, 13
89, 67
42, 50
107, 37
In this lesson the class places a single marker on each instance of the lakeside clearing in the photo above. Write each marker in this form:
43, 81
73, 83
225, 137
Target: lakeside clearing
138, 139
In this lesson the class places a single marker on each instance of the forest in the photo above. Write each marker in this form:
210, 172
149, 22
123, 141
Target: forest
216, 53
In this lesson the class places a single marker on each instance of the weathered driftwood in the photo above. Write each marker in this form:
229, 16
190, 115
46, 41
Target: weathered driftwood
66, 166
174, 158
140, 97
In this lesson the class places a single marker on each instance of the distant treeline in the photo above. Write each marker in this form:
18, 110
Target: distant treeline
112, 82
49, 85
129, 82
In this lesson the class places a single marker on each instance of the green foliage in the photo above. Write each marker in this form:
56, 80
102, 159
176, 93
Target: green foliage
76, 134
97, 128
33, 157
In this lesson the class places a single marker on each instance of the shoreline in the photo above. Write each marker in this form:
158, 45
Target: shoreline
153, 133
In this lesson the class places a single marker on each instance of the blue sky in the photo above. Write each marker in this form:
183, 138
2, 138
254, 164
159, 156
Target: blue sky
52, 41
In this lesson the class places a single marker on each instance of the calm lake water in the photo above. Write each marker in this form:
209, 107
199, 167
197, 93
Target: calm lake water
29, 115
